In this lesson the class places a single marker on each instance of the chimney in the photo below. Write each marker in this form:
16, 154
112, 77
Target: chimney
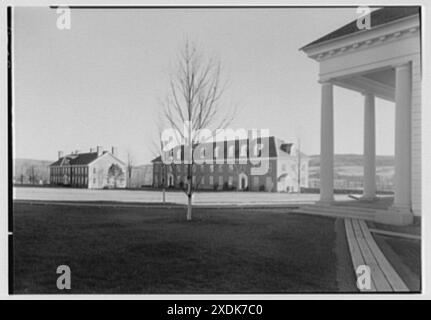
60, 154
114, 151
99, 151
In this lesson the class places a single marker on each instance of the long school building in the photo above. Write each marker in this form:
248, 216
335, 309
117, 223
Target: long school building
232, 169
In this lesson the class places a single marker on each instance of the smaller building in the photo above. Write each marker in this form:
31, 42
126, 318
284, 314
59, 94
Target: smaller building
96, 169
141, 176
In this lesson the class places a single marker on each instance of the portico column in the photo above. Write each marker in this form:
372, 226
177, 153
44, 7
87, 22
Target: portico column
327, 144
369, 147
403, 94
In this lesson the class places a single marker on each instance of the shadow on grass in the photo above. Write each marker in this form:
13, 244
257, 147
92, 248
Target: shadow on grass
154, 250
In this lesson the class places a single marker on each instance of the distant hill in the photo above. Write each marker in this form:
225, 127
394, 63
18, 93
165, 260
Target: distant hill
341, 160
349, 171
31, 170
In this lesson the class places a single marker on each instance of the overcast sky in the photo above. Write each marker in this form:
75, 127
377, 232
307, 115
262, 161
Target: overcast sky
99, 82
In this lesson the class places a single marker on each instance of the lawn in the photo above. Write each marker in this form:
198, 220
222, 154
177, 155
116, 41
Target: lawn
154, 250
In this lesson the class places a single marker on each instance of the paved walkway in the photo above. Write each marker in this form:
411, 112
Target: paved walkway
365, 252
233, 198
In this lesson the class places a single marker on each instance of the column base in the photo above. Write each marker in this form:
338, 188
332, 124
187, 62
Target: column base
396, 215
326, 202
368, 198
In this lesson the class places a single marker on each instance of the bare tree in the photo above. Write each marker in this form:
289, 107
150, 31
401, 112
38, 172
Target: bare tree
299, 165
31, 172
194, 98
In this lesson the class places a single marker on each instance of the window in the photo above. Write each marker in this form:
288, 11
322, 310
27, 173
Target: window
231, 167
216, 151
256, 181
94, 170
243, 151
258, 150
230, 181
220, 168
202, 180
179, 154
94, 180
211, 180
220, 181
231, 151
212, 168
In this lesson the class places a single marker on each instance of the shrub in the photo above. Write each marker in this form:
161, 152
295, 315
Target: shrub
215, 186
262, 188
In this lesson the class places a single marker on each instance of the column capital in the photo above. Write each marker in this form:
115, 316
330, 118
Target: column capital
325, 82
367, 93
402, 65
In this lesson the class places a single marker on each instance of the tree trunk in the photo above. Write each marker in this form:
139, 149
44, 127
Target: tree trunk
189, 207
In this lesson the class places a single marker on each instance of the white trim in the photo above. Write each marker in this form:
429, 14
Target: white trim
104, 154
354, 41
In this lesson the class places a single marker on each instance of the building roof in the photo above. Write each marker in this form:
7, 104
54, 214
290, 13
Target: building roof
378, 17
271, 148
76, 159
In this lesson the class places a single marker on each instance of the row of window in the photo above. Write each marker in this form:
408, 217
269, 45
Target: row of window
171, 181
257, 151
66, 170
202, 168
58, 179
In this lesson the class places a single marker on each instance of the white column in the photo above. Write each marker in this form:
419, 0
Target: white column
369, 147
403, 94
327, 144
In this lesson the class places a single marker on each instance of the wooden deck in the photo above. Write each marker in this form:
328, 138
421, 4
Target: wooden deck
364, 251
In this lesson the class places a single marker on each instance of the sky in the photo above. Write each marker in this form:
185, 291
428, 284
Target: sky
100, 82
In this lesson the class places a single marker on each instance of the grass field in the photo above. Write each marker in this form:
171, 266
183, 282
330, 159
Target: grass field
138, 250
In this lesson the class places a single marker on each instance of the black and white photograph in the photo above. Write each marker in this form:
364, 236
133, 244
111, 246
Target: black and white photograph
215, 150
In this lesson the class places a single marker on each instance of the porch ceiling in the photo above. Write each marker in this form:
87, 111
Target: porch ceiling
380, 82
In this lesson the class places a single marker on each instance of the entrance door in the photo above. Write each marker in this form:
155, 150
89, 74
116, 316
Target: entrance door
243, 181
